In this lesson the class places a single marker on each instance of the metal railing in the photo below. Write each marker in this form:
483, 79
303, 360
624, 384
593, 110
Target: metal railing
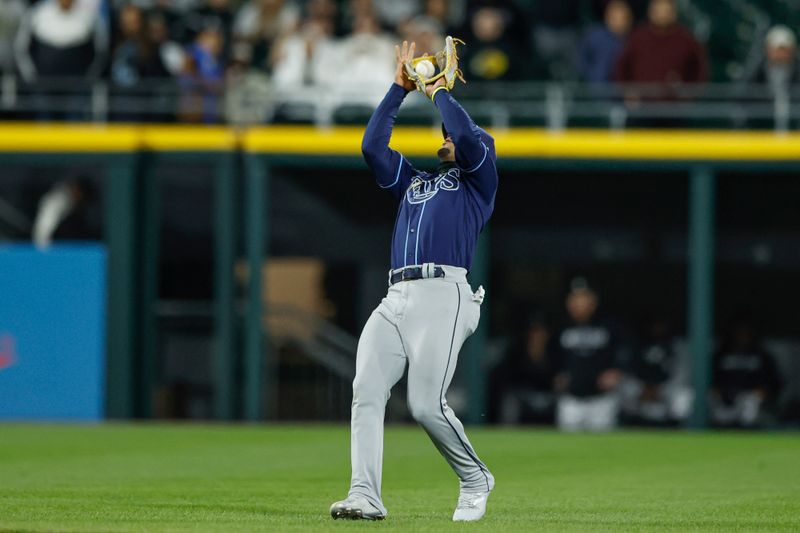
312, 359
254, 100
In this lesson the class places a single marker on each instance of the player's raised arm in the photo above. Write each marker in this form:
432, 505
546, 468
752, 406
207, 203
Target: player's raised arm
392, 171
475, 152
471, 150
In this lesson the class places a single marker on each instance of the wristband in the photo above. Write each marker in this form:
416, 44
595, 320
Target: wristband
436, 90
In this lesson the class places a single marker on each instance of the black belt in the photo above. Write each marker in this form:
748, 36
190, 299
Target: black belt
416, 272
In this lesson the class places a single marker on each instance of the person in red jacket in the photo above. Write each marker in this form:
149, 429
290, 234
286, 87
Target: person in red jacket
661, 52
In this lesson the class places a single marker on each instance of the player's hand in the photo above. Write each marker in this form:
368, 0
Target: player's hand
433, 86
404, 54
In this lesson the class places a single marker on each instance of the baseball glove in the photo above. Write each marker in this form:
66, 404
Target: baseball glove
447, 62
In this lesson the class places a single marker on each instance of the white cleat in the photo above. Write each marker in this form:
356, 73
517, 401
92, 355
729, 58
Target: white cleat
471, 506
356, 508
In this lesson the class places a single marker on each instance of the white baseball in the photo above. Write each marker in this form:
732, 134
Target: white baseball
425, 69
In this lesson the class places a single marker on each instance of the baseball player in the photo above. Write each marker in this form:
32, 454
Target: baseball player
430, 308
590, 375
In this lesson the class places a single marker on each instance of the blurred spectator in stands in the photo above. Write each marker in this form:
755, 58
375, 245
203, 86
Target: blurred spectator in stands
324, 12
589, 375
173, 57
351, 12
11, 13
248, 91
555, 36
60, 39
366, 62
745, 378
179, 7
780, 66
448, 13
172, 54
66, 213
213, 12
662, 52
135, 56
128, 50
425, 31
392, 13
527, 376
308, 56
603, 43
638, 9
491, 54
171, 12
262, 24
656, 392
137, 69
202, 78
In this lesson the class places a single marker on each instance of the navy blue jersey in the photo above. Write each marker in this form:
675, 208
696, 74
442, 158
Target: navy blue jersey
440, 214
587, 350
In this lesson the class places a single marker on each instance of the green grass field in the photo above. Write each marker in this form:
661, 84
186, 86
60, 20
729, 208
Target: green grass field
279, 478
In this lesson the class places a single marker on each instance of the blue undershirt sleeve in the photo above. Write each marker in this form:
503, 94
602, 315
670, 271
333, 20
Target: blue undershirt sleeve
392, 171
472, 154
470, 150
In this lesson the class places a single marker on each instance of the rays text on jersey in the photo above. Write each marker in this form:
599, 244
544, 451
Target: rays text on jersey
422, 190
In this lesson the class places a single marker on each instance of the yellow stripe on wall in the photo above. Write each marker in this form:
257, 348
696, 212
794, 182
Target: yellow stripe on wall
189, 138
42, 138
541, 144
412, 141
649, 144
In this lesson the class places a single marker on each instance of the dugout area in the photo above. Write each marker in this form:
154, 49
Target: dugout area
675, 210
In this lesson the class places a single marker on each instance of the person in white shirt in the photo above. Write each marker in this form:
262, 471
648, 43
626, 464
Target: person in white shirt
365, 63
62, 38
61, 47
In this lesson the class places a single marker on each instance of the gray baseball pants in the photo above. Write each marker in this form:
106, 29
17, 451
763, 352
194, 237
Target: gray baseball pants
422, 323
